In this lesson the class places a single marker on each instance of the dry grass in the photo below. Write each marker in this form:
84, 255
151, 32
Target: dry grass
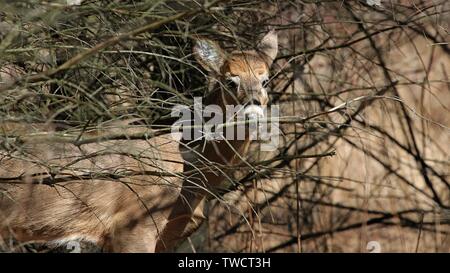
81, 67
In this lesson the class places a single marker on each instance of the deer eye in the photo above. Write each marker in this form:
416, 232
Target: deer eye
233, 82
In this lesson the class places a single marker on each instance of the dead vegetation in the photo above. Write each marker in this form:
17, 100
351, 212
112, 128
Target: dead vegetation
367, 158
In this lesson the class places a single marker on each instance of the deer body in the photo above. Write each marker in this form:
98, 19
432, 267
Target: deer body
128, 195
90, 208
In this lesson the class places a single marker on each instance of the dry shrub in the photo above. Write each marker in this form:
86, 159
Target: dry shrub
370, 82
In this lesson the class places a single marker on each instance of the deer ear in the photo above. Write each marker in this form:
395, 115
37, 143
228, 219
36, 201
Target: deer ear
269, 46
209, 55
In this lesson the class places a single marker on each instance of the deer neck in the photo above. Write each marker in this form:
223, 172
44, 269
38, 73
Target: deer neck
207, 165
226, 151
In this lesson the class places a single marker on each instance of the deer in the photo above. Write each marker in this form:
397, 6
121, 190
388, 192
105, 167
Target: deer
135, 194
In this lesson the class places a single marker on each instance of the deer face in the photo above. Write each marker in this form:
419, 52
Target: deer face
246, 72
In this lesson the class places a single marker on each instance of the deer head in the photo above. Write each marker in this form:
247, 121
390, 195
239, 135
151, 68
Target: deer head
247, 72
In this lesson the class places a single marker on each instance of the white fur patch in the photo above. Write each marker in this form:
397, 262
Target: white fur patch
72, 242
253, 112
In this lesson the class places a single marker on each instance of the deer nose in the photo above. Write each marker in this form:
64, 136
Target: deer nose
253, 110
255, 102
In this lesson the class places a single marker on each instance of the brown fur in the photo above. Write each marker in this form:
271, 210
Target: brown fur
124, 195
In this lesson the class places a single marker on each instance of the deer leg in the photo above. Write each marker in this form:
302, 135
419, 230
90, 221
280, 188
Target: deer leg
185, 217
